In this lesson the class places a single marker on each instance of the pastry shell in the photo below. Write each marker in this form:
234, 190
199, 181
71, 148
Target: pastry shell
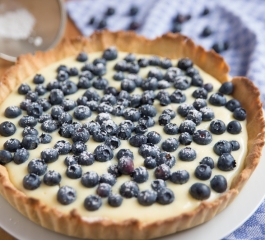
170, 46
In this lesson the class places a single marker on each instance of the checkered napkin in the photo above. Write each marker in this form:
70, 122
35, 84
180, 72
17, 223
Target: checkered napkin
240, 23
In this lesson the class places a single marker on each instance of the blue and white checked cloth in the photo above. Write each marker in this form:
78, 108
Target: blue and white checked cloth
240, 22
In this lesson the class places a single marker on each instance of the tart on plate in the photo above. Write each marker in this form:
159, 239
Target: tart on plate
119, 137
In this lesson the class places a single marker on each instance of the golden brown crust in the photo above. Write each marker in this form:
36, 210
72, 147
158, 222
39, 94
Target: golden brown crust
171, 46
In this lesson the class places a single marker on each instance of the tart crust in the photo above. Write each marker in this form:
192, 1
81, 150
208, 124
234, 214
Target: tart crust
171, 46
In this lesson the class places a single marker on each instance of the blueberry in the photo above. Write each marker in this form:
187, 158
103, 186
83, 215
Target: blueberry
147, 121
99, 69
62, 76
187, 154
226, 162
70, 160
56, 112
8, 128
78, 147
129, 189
149, 149
200, 191
108, 178
104, 108
69, 87
49, 155
166, 158
103, 190
217, 127
109, 126
103, 153
187, 126
52, 178
66, 195
184, 108
100, 83
235, 145
26, 121
150, 162
93, 105
92, 127
86, 159
127, 124
203, 172
194, 116
92, 202
118, 76
182, 82
221, 147
123, 102
109, 98
91, 94
226, 88
82, 57
32, 96
84, 83
125, 165
133, 67
20, 156
66, 130
239, 114
115, 200
63, 147
219, 183
202, 137
44, 103
54, 84
110, 54
207, 114
113, 142
177, 97
45, 138
199, 103
234, 127
49, 126
82, 112
179, 177
158, 184
162, 172
140, 129
73, 71
217, 99
68, 104
200, 93
121, 66
25, 104
101, 117
31, 181
208, 161
30, 142
164, 119
136, 79
191, 71
125, 153
143, 62
154, 61
90, 179
155, 73
150, 83
232, 105
185, 138
170, 144
5, 157
100, 136
74, 171
147, 197
123, 133
113, 169
132, 114
165, 196
138, 140
12, 112
37, 166
148, 97
44, 117
12, 145
24, 89
140, 175
172, 73
163, 84
65, 117
80, 134
184, 63
163, 98
171, 129
56, 96
208, 87
166, 63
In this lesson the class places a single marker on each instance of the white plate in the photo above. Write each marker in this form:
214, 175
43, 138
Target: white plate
219, 227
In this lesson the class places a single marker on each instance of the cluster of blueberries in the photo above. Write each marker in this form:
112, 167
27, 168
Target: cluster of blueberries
180, 19
134, 108
110, 11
